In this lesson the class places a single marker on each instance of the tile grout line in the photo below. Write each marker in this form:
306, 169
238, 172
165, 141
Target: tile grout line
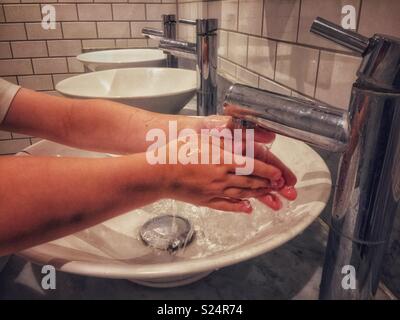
298, 21
317, 74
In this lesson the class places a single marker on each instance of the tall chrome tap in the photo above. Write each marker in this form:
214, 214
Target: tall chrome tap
204, 52
367, 192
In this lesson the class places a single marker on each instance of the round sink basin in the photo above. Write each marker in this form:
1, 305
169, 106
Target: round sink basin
122, 58
163, 90
114, 249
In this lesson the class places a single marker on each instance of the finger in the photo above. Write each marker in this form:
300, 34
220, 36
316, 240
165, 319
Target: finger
262, 153
242, 193
263, 135
265, 170
233, 205
272, 201
248, 182
289, 192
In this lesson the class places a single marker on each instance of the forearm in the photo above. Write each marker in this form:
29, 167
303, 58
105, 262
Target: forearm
97, 125
58, 196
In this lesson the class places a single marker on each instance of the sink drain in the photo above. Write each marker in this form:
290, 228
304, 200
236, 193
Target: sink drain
167, 232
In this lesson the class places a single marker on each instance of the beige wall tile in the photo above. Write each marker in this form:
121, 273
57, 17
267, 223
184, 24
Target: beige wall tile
213, 10
12, 79
15, 67
2, 17
113, 29
227, 69
5, 50
193, 10
19, 135
261, 56
94, 12
380, 17
29, 49
187, 32
74, 65
22, 12
131, 43
13, 146
5, 135
65, 12
229, 14
49, 65
36, 32
281, 19
152, 43
36, 82
115, 1
79, 30
59, 48
222, 43
250, 16
269, 85
12, 31
80, 1
296, 67
136, 27
154, 11
128, 11
328, 9
36, 1
237, 48
336, 74
300, 96
246, 77
98, 44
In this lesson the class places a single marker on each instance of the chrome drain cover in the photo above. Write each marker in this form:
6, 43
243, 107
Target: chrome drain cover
167, 232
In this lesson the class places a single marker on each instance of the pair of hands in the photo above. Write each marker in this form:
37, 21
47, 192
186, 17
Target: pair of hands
218, 187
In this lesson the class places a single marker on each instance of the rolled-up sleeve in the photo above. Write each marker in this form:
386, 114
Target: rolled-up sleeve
8, 91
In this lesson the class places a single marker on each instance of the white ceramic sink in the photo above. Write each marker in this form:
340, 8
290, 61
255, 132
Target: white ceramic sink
122, 58
165, 90
113, 249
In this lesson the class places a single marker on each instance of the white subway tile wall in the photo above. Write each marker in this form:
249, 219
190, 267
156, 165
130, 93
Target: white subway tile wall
268, 42
38, 59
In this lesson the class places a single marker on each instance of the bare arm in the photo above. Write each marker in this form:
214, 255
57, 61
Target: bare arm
91, 124
44, 198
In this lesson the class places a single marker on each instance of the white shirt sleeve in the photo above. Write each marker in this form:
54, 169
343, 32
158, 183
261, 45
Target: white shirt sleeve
8, 91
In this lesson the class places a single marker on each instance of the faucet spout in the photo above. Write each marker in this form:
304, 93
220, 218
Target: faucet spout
152, 33
179, 48
315, 123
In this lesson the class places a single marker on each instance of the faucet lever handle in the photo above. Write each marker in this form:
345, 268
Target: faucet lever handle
347, 38
188, 21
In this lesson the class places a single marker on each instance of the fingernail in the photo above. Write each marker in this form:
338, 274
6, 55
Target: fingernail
277, 175
278, 184
246, 206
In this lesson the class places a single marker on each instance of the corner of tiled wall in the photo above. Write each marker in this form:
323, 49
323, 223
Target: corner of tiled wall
38, 59
268, 44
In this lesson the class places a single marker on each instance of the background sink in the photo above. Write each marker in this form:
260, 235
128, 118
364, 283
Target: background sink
163, 90
123, 58
113, 249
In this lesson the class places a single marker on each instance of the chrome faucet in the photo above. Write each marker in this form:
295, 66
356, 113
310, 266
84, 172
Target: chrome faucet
169, 32
367, 192
204, 52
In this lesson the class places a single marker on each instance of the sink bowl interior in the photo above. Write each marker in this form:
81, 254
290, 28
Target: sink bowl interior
122, 58
164, 90
114, 249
